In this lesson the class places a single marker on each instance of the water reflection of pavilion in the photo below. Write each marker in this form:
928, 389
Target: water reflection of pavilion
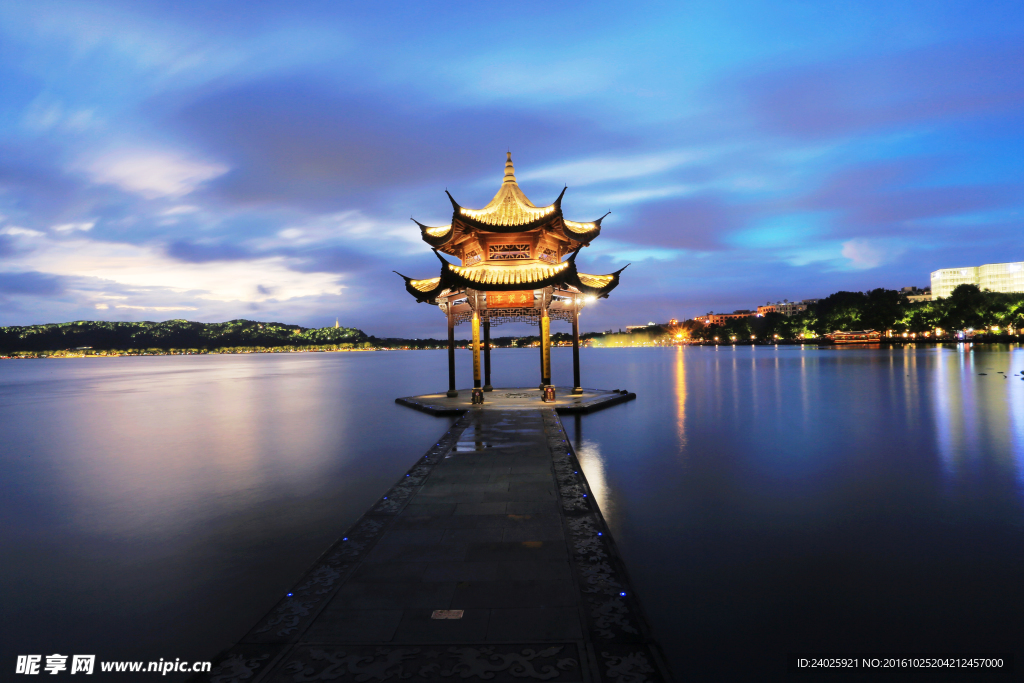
518, 264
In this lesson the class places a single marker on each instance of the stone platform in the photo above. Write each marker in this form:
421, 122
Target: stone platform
521, 398
489, 560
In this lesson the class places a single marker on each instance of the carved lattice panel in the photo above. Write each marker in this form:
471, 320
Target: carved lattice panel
508, 252
530, 316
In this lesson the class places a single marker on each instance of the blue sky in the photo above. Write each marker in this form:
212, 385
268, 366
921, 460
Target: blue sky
220, 160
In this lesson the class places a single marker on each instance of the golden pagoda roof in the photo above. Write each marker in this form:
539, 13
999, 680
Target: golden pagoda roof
510, 206
440, 231
490, 277
595, 281
510, 211
435, 236
582, 229
519, 274
425, 285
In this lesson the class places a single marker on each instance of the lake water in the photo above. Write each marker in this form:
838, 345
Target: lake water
766, 500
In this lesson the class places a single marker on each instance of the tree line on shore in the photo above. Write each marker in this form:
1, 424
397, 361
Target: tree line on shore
967, 308
181, 335
99, 338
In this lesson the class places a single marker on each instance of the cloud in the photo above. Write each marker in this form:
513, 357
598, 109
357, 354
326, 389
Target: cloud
179, 210
17, 231
641, 194
863, 254
149, 267
197, 252
30, 283
880, 198
305, 142
46, 114
72, 227
605, 168
942, 82
151, 308
697, 222
152, 173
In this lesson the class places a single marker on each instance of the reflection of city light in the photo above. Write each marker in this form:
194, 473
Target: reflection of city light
681, 398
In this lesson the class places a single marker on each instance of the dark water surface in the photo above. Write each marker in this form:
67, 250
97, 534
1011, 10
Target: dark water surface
765, 500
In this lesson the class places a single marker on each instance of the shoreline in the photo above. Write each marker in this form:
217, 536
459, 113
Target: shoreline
240, 350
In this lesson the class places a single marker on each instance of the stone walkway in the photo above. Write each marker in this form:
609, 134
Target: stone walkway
489, 560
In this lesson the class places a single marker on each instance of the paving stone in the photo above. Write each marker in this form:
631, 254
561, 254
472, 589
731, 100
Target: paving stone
532, 533
418, 508
487, 534
417, 626
416, 552
551, 623
377, 595
389, 572
496, 571
526, 507
532, 520
480, 508
417, 521
354, 626
412, 536
515, 552
514, 593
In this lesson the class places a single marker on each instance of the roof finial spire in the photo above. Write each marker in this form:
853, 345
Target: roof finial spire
510, 171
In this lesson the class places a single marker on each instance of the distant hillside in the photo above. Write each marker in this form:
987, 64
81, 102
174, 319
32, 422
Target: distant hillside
172, 334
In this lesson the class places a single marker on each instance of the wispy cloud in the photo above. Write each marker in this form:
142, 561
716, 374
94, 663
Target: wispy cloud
74, 227
149, 267
152, 173
153, 308
864, 254
606, 168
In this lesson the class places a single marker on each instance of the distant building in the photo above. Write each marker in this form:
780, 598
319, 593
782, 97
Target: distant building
786, 308
995, 277
915, 294
721, 318
630, 328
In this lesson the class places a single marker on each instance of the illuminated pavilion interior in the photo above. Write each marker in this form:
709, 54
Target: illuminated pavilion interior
517, 264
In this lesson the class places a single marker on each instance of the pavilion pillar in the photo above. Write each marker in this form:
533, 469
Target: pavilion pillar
452, 392
476, 349
541, 347
577, 388
545, 348
487, 353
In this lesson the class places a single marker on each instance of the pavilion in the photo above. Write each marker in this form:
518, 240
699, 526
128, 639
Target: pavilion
518, 264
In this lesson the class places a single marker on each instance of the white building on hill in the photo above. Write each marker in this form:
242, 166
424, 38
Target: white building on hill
996, 277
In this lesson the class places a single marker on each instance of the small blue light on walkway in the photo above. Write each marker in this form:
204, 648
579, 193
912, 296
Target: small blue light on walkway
289, 595
622, 594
